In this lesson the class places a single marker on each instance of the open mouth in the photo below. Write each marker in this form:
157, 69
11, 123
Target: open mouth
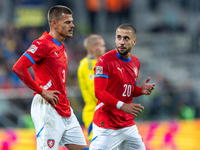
122, 48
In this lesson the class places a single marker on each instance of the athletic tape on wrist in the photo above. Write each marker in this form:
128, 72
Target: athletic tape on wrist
119, 104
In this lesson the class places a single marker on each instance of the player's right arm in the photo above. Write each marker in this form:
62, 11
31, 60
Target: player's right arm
21, 69
102, 95
101, 84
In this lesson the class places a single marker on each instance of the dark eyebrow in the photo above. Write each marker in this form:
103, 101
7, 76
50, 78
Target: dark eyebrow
68, 21
126, 37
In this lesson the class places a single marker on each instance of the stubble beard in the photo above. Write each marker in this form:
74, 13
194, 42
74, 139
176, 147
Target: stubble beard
125, 52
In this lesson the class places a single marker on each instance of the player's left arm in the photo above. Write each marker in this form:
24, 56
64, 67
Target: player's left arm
137, 91
102, 95
147, 88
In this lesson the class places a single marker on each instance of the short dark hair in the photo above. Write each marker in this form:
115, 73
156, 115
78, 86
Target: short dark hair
127, 26
55, 12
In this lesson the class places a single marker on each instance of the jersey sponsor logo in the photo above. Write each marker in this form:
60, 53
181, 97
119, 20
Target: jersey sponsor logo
135, 71
50, 142
38, 42
120, 69
32, 49
99, 70
56, 54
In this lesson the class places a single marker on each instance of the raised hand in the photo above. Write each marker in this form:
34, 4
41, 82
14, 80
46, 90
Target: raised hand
51, 96
147, 88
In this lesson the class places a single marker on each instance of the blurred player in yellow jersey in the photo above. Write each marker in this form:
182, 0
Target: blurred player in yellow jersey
95, 46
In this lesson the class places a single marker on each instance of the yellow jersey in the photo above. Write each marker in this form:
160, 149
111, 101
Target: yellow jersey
86, 82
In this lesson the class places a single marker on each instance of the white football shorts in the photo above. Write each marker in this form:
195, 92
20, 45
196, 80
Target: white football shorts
53, 130
127, 138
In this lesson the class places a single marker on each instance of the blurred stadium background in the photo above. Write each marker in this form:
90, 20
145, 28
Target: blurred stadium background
168, 46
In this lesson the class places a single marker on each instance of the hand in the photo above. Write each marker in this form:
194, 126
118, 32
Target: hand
133, 109
51, 96
147, 88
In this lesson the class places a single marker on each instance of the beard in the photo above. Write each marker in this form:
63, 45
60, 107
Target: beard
125, 52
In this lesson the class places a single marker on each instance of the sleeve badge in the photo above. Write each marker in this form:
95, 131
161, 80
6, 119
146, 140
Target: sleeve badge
99, 70
32, 49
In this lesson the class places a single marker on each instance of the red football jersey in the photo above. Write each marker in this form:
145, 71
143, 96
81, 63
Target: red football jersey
49, 58
122, 77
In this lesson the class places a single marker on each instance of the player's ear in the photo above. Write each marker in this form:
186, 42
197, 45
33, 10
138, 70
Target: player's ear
134, 41
54, 24
116, 39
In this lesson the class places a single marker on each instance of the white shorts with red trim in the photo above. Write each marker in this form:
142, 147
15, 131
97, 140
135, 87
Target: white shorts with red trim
52, 129
127, 138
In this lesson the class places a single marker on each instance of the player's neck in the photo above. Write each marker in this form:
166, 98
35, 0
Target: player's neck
127, 56
57, 37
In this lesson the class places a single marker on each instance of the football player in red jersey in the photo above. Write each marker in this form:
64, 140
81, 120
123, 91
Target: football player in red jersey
54, 120
115, 81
